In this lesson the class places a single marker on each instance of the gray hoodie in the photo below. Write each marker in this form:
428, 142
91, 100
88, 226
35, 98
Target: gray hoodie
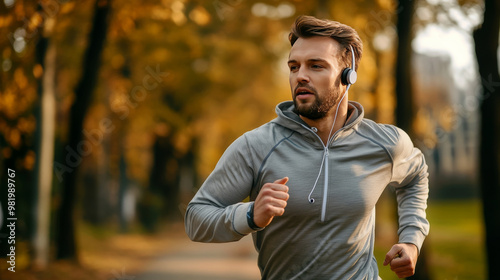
332, 237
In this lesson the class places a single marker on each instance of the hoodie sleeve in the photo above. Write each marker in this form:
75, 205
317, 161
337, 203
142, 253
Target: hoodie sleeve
410, 180
216, 213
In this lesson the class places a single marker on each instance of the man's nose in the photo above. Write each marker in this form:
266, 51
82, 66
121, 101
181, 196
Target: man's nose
302, 75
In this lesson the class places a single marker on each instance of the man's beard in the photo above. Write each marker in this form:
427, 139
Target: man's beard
320, 107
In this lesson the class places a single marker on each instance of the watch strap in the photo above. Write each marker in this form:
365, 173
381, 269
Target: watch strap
250, 220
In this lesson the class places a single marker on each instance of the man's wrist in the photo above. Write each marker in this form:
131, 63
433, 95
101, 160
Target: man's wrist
250, 220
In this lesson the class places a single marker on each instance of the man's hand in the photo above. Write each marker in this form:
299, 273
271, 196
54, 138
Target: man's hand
403, 258
270, 202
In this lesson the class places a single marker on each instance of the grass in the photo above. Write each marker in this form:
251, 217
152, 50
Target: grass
455, 249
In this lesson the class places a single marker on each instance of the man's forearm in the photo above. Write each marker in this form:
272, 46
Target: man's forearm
209, 223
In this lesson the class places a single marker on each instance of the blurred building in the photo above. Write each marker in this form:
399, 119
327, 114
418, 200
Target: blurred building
447, 123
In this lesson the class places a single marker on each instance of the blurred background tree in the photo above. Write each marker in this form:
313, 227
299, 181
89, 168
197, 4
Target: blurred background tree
112, 113
486, 46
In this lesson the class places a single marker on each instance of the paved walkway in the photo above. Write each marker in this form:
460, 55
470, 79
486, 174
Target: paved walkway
199, 261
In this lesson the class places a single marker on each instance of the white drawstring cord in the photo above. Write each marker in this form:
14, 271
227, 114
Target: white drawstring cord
309, 198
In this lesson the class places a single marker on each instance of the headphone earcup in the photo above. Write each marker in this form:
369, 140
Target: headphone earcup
349, 76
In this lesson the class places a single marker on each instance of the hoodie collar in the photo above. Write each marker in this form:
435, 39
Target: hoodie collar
288, 117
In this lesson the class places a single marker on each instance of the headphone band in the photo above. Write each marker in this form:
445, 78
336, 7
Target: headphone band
353, 64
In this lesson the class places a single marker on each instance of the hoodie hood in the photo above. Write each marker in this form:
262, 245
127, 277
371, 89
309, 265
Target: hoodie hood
289, 118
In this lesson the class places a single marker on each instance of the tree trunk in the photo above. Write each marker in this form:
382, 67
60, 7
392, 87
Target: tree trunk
404, 94
46, 56
123, 190
405, 112
486, 43
77, 147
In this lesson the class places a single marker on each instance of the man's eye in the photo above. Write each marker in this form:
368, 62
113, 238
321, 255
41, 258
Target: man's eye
293, 68
317, 66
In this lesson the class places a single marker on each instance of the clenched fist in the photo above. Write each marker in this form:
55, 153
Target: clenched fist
270, 202
403, 259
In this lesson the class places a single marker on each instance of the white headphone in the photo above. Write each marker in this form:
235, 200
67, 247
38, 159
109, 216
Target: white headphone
349, 75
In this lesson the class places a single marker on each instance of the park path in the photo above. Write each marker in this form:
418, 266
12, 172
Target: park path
189, 260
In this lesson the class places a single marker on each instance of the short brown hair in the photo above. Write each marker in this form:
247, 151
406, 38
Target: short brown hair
308, 26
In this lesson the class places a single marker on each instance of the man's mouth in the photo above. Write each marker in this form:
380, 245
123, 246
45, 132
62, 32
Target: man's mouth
302, 91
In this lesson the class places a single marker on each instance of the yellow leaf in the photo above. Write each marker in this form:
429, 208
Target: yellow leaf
200, 16
37, 71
